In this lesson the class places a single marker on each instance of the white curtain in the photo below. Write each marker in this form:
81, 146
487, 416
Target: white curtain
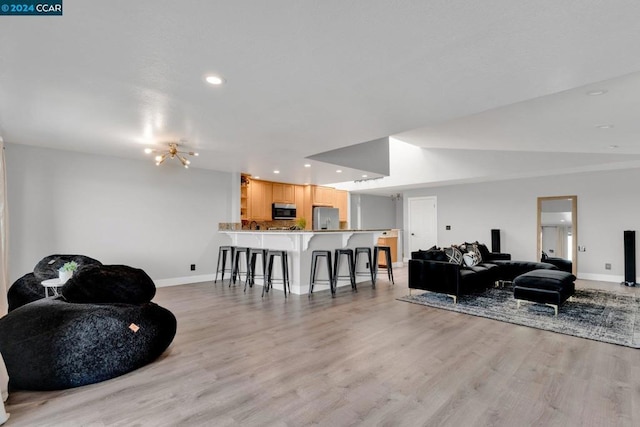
4, 274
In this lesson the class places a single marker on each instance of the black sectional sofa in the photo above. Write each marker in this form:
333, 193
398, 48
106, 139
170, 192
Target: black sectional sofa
431, 270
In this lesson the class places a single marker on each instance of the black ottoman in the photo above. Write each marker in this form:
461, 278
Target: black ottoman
550, 287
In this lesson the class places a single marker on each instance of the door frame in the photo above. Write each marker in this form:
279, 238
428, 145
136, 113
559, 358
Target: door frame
408, 231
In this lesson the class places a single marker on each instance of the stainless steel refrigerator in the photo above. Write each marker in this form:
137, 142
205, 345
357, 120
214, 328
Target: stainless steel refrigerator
326, 218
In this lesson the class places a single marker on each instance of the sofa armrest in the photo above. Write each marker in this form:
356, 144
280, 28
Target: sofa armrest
434, 276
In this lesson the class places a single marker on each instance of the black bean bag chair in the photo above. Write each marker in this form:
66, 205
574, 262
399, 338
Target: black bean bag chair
109, 284
51, 344
101, 326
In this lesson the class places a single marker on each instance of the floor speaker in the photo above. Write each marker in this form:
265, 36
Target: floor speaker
629, 258
495, 240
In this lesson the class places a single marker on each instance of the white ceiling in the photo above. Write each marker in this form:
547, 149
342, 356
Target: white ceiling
304, 77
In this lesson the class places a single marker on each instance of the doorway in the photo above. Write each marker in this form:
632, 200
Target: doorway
422, 223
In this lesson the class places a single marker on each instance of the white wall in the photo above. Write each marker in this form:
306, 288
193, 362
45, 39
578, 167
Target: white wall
608, 204
119, 211
375, 212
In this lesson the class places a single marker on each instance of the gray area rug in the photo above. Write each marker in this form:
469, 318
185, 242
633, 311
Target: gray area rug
593, 314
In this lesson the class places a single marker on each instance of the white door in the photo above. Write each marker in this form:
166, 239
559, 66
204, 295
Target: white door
423, 223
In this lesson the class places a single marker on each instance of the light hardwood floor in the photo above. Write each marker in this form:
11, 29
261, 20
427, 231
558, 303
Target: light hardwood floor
359, 359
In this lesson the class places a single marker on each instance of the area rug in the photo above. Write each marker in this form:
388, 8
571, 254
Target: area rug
593, 314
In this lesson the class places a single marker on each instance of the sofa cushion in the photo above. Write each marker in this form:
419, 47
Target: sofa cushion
430, 255
484, 251
509, 270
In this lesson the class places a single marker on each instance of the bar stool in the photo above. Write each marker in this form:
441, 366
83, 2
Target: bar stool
236, 264
387, 251
222, 256
364, 251
251, 275
315, 256
284, 262
336, 267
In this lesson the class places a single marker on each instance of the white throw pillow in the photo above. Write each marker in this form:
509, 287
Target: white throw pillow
470, 259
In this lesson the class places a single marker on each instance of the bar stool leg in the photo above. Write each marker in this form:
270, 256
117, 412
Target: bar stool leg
390, 267
267, 280
251, 272
352, 271
332, 281
373, 279
283, 264
314, 261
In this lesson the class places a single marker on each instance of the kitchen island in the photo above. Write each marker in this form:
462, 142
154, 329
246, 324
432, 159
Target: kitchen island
299, 245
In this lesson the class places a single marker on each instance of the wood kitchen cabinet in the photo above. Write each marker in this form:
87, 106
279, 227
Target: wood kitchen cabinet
392, 242
322, 196
283, 193
342, 203
260, 196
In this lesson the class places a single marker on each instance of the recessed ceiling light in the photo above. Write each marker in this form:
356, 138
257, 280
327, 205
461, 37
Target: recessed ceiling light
256, 177
214, 80
613, 147
148, 150
339, 171
604, 126
276, 171
596, 92
307, 165
364, 176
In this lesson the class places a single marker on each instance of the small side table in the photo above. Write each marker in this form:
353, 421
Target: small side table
52, 284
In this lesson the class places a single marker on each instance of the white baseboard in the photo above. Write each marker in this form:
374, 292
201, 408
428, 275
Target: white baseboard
601, 277
174, 281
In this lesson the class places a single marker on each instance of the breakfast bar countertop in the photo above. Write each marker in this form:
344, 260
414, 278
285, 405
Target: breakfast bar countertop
279, 230
299, 245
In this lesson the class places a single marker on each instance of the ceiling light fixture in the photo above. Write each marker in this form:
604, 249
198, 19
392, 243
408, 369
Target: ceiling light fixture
604, 126
214, 80
339, 171
596, 92
276, 171
613, 147
364, 176
307, 165
171, 152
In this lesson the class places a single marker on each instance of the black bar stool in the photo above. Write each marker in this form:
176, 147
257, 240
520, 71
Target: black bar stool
364, 251
336, 267
236, 264
222, 256
387, 251
251, 275
315, 256
284, 262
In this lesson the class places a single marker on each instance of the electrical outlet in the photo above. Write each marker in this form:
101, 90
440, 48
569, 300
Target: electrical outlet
607, 266
193, 267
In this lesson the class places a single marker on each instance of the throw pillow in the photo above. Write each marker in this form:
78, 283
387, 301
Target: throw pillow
484, 252
470, 259
454, 255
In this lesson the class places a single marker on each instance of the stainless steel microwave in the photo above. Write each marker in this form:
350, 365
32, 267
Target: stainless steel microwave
283, 211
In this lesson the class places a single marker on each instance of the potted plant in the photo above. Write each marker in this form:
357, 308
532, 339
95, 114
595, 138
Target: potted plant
301, 223
66, 271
